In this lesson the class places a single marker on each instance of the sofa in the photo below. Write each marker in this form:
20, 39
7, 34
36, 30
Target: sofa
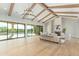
52, 37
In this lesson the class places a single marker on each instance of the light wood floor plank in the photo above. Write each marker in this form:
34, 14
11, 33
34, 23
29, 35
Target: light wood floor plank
36, 47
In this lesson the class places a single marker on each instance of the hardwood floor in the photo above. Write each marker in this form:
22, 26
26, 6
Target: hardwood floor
36, 47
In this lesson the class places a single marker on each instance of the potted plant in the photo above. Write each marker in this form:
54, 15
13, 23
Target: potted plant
64, 30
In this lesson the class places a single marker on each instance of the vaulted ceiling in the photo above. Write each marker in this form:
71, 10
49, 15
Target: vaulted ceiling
42, 12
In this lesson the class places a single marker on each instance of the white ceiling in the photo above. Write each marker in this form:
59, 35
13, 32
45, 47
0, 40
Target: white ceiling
43, 14
63, 9
56, 4
19, 8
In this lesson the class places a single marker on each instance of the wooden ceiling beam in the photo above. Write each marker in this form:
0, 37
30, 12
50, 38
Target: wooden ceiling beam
11, 9
38, 14
46, 7
68, 16
49, 19
45, 17
65, 6
67, 12
33, 5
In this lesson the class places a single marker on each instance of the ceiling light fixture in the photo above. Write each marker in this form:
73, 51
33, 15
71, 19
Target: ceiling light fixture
28, 12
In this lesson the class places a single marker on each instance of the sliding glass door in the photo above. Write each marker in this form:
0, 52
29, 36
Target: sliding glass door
3, 30
38, 29
30, 30
12, 30
17, 30
21, 30
33, 30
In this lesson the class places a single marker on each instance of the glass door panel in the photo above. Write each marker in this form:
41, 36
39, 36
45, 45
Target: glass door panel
3, 30
9, 30
15, 30
38, 29
12, 30
30, 30
21, 30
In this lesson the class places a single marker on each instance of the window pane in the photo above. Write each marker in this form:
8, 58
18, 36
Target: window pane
3, 30
30, 30
15, 31
9, 30
38, 29
12, 30
21, 30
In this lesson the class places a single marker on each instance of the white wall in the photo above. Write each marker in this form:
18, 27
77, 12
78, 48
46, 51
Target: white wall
57, 21
47, 27
72, 26
50, 26
76, 29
